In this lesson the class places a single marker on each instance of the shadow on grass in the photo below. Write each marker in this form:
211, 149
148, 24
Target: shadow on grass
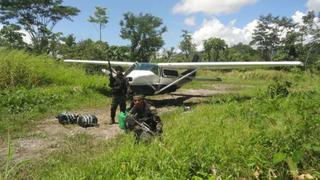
186, 100
179, 101
104, 91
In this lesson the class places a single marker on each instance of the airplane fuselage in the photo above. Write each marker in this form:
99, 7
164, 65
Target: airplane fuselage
147, 78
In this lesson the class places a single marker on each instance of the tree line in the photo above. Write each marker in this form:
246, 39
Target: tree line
275, 38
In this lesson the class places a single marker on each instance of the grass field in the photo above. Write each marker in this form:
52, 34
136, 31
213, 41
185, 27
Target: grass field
35, 87
270, 130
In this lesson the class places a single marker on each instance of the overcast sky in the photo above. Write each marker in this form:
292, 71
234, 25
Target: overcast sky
231, 20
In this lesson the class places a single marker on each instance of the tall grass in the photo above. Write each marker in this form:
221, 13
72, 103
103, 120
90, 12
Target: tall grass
247, 77
20, 69
33, 87
9, 167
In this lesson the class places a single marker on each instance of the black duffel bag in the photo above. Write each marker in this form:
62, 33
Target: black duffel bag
67, 118
87, 120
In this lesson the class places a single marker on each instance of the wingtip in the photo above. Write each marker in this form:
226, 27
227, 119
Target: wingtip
298, 63
67, 60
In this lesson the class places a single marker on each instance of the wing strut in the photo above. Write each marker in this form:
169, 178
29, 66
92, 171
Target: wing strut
130, 69
176, 81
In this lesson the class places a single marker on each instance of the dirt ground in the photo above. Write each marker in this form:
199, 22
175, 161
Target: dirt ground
46, 136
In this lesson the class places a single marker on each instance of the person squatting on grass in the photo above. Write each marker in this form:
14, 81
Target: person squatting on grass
119, 92
143, 119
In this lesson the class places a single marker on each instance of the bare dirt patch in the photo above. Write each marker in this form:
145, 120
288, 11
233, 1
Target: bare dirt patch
47, 136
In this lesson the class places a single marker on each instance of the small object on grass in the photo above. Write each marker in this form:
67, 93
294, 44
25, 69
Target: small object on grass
67, 118
87, 120
122, 120
186, 108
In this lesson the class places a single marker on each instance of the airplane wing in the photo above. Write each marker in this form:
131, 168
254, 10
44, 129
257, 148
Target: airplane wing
115, 63
228, 65
200, 65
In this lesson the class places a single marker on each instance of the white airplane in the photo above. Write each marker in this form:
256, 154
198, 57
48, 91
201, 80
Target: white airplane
160, 78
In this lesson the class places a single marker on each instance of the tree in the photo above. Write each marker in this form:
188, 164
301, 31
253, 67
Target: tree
69, 40
186, 45
214, 46
37, 17
54, 44
100, 17
118, 53
268, 34
169, 53
291, 46
145, 34
67, 46
242, 52
311, 33
88, 49
11, 37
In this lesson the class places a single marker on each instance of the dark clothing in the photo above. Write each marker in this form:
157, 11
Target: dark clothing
118, 85
146, 115
143, 112
119, 91
118, 100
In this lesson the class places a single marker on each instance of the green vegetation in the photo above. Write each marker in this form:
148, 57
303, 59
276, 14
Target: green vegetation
33, 87
100, 17
213, 47
35, 17
267, 127
144, 31
265, 134
186, 45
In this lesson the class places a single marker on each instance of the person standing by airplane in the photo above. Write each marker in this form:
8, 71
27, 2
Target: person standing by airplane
119, 87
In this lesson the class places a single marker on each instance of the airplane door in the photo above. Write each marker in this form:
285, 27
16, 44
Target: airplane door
167, 76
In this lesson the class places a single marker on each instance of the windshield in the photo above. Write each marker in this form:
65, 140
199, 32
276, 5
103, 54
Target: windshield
147, 66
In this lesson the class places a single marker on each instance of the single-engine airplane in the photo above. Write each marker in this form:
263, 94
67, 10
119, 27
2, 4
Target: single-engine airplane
160, 78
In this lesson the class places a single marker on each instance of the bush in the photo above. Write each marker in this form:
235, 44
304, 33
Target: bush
278, 89
23, 100
19, 69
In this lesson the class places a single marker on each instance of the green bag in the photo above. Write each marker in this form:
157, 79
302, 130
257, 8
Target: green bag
122, 120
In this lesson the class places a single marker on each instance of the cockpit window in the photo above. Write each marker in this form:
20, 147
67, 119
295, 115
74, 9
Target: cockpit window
146, 66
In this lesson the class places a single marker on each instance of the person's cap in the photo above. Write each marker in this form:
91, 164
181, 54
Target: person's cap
138, 96
119, 68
